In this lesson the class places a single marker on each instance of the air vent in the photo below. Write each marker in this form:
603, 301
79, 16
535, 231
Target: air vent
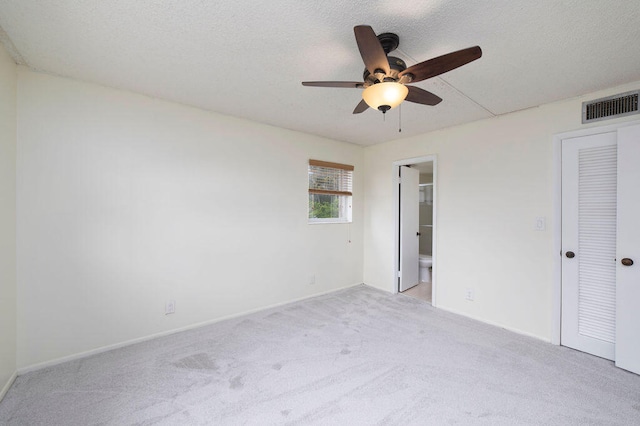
610, 107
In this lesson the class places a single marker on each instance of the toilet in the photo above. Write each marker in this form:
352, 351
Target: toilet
425, 263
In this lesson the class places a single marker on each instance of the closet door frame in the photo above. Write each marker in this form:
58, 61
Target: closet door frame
557, 215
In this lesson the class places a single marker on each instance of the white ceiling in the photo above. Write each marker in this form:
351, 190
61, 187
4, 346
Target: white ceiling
247, 58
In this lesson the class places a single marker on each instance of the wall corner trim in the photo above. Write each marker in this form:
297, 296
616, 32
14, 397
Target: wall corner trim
91, 352
7, 385
496, 324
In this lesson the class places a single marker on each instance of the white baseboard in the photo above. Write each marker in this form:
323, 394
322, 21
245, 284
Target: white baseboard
495, 324
41, 365
7, 385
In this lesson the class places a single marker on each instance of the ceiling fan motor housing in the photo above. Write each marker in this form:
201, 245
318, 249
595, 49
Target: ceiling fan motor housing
396, 65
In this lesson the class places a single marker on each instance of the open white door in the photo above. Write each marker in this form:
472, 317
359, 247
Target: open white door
409, 227
628, 251
589, 174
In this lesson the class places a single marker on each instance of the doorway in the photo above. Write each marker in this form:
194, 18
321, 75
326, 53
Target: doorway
599, 239
415, 227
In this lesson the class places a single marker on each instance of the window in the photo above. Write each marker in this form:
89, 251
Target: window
330, 186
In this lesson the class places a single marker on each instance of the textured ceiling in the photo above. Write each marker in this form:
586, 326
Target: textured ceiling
247, 58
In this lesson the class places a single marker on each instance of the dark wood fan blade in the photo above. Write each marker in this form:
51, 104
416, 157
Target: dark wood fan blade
371, 50
442, 64
347, 84
421, 96
361, 107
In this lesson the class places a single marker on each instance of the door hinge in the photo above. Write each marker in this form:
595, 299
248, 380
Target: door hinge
399, 274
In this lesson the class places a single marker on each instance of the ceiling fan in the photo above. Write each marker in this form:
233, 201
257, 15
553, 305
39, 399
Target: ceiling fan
386, 77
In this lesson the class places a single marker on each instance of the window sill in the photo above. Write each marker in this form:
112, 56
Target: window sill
326, 222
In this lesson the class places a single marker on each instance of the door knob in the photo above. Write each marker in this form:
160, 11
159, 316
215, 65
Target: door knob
627, 262
570, 254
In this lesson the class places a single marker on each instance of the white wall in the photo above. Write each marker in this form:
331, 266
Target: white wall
494, 178
125, 202
8, 84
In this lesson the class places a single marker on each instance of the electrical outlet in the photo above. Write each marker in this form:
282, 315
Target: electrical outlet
541, 224
170, 307
469, 294
312, 279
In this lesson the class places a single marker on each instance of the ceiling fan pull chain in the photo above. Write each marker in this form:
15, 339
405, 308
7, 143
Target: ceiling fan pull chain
400, 118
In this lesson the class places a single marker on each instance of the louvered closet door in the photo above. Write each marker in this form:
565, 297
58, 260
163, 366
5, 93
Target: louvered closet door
589, 191
628, 255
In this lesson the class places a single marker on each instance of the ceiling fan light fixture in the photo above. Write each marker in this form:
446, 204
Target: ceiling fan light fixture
385, 96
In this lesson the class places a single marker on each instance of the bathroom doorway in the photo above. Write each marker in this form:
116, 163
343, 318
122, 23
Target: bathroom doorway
415, 201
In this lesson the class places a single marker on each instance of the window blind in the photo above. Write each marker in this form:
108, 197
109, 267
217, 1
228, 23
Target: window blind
330, 178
